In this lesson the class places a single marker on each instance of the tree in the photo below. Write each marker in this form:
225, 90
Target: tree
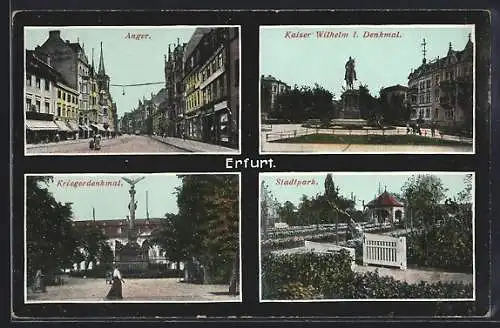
50, 238
93, 245
209, 208
424, 195
288, 214
173, 238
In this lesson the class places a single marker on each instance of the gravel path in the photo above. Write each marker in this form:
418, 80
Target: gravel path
164, 289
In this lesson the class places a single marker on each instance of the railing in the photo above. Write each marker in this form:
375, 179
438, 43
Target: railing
384, 250
425, 132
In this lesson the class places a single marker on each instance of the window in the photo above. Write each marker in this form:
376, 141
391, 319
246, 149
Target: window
28, 104
237, 72
221, 60
428, 84
427, 113
28, 79
47, 85
59, 94
38, 82
47, 107
58, 110
37, 103
64, 96
428, 97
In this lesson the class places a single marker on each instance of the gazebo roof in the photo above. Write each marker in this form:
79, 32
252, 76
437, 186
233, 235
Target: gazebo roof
385, 200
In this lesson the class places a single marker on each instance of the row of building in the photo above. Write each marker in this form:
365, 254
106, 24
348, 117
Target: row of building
439, 90
200, 100
65, 96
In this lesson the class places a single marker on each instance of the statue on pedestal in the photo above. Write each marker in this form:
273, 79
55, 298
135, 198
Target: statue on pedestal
132, 236
350, 73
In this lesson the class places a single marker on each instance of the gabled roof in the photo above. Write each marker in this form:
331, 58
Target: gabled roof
195, 39
385, 200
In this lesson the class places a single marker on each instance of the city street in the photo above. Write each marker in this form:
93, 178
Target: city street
161, 289
119, 145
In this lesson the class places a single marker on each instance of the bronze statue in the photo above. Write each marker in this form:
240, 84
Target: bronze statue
350, 73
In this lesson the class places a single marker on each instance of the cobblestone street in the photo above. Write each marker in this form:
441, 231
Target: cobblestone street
156, 290
120, 145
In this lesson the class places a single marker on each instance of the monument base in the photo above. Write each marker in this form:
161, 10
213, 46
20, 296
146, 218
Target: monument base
131, 258
350, 105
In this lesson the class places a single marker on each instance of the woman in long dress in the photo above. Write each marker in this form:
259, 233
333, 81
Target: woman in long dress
39, 285
116, 287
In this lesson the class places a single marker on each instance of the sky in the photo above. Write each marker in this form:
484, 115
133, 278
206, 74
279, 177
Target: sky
380, 62
363, 185
111, 202
127, 61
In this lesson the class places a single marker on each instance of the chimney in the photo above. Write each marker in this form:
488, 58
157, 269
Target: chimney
55, 34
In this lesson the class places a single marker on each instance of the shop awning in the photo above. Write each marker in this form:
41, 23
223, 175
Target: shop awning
62, 126
39, 125
72, 125
85, 127
99, 127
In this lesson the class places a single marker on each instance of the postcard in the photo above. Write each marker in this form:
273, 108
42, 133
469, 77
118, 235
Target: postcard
362, 89
345, 236
101, 90
154, 238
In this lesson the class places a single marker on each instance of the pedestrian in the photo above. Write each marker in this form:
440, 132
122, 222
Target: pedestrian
39, 285
184, 135
407, 128
116, 287
433, 129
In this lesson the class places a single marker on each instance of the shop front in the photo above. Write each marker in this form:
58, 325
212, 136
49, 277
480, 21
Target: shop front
64, 132
222, 124
38, 131
75, 129
193, 127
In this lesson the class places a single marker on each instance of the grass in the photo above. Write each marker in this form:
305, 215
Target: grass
370, 140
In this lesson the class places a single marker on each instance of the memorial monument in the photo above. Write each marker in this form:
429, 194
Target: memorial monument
131, 257
349, 113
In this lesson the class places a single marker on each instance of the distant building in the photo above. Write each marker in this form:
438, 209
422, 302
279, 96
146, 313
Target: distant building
270, 88
396, 99
441, 90
385, 209
116, 232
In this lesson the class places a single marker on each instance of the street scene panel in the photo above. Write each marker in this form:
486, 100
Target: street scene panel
367, 236
129, 89
153, 238
367, 89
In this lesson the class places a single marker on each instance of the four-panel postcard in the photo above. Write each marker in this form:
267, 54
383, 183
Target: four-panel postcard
251, 164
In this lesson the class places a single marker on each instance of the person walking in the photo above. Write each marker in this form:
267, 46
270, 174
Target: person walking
39, 285
116, 287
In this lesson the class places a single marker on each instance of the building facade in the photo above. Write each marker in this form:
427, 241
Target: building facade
270, 88
396, 103
51, 105
441, 90
94, 100
116, 232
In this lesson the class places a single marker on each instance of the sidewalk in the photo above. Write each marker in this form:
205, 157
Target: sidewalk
64, 142
194, 146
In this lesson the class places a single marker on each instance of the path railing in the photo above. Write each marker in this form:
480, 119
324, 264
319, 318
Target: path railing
282, 135
384, 250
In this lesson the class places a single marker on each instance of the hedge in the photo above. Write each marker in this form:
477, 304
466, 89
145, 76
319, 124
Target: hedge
329, 276
447, 246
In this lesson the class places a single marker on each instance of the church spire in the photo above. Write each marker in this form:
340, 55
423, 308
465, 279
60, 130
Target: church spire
101, 64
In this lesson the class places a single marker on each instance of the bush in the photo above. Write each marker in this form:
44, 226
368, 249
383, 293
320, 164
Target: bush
447, 246
329, 276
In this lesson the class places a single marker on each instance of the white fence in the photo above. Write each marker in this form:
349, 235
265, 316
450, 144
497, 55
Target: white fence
330, 248
384, 250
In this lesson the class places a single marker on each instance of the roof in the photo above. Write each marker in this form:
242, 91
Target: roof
460, 55
195, 39
395, 87
385, 200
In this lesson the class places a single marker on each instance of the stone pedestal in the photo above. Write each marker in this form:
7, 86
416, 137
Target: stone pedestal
131, 258
350, 105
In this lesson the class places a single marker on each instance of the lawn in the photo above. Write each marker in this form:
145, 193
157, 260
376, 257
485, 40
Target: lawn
369, 139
